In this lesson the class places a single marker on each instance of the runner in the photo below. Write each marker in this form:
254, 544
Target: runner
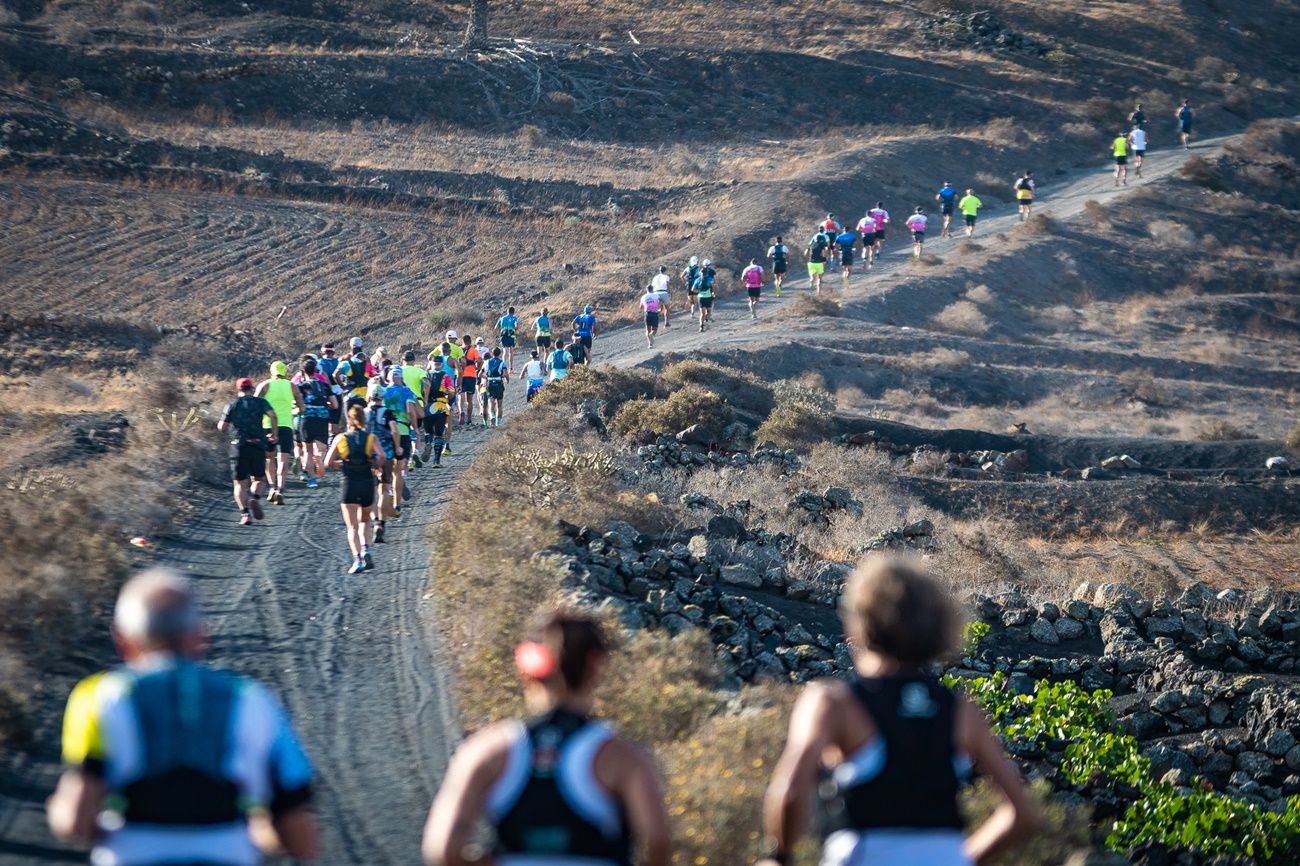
584, 326
543, 330
469, 361
534, 376
286, 400
328, 365
1119, 147
1185, 115
916, 224
1137, 141
559, 362
557, 787
830, 227
752, 277
498, 374
880, 217
689, 274
405, 406
382, 424
1024, 187
452, 360
887, 751
353, 377
507, 330
660, 285
816, 260
845, 241
577, 351
704, 290
358, 453
250, 441
413, 375
970, 209
312, 425
947, 198
1138, 117
650, 306
167, 760
480, 345
779, 253
440, 390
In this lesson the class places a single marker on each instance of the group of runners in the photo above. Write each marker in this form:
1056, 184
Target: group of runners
170, 761
378, 416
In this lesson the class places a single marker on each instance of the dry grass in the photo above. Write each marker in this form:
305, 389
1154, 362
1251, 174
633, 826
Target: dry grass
811, 306
961, 317
683, 408
1220, 430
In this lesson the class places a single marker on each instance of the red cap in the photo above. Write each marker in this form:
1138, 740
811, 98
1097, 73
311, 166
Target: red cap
244, 383
535, 661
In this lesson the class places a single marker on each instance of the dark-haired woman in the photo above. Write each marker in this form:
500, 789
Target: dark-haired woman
557, 788
892, 744
358, 453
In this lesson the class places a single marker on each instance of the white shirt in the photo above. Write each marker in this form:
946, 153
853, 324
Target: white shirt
916, 222
534, 370
660, 282
1139, 139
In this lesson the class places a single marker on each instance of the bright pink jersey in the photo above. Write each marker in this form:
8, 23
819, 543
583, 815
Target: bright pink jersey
753, 277
650, 302
916, 222
880, 216
300, 377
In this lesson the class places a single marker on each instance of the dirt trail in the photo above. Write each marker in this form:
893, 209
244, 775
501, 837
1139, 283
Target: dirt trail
354, 658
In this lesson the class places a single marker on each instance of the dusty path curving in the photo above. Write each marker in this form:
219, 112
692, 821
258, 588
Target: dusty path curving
355, 658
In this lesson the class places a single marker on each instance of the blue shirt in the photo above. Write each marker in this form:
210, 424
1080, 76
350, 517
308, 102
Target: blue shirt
948, 193
544, 325
507, 323
847, 239
395, 399
328, 366
584, 324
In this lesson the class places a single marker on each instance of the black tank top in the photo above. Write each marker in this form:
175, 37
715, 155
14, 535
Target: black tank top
548, 802
906, 778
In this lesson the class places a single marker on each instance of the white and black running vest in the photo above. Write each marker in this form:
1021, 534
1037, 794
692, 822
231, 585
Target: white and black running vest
547, 804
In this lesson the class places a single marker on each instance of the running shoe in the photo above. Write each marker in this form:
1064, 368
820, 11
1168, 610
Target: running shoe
406, 493
368, 560
357, 567
379, 534
312, 484
304, 478
426, 451
296, 466
255, 506
446, 449
245, 519
397, 513
416, 462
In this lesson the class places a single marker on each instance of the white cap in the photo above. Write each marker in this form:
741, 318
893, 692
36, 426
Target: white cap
452, 335
695, 260
707, 262
479, 342
357, 342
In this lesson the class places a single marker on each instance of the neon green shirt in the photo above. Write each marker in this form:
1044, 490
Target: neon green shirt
1120, 146
414, 379
279, 393
970, 205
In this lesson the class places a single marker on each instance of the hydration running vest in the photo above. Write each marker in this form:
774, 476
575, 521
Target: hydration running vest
548, 803
245, 416
358, 463
315, 398
909, 776
495, 369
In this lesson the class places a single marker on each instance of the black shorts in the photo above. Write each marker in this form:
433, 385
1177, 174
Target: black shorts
313, 430
755, 293
945, 208
359, 489
435, 423
706, 303
778, 266
880, 235
585, 340
970, 219
652, 319
1185, 127
468, 385
336, 414
918, 237
846, 257
1121, 160
1140, 153
543, 341
404, 445
248, 460
496, 389
507, 342
284, 440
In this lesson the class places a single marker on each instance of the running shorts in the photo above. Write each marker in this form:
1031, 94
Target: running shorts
880, 235
507, 342
651, 319
970, 219
706, 303
359, 490
585, 340
435, 423
284, 440
945, 208
496, 389
778, 266
918, 237
1121, 160
1140, 153
468, 385
404, 443
336, 414
815, 268
846, 257
248, 460
1185, 126
313, 430
543, 341
534, 385
755, 292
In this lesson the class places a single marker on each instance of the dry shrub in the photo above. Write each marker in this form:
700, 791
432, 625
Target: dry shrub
1202, 172
1100, 109
961, 317
716, 779
980, 294
145, 13
61, 387
1097, 212
1172, 234
689, 405
1220, 430
15, 720
660, 688
810, 306
743, 390
613, 385
531, 136
1039, 225
561, 102
1293, 438
938, 358
803, 416
1079, 130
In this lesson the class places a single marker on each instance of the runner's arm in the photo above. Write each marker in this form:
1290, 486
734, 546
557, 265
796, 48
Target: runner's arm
639, 790
297, 398
74, 806
1018, 815
785, 807
332, 458
449, 830
275, 424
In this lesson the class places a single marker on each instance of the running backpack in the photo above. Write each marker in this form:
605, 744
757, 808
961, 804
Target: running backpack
1023, 184
315, 397
358, 461
356, 375
692, 274
704, 280
560, 359
246, 417
494, 368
